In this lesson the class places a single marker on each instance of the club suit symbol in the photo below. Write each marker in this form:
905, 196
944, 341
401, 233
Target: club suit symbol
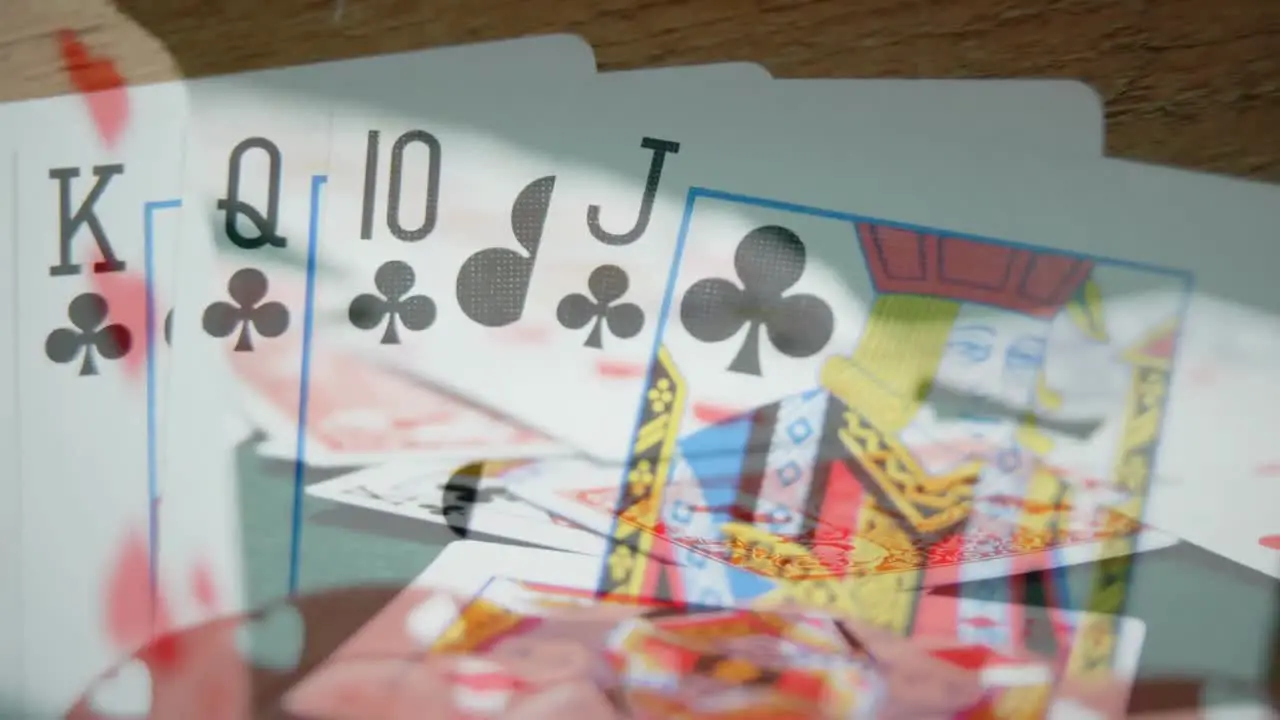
607, 284
493, 284
769, 261
394, 280
90, 335
247, 287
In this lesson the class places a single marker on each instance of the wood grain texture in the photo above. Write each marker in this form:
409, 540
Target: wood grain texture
1194, 83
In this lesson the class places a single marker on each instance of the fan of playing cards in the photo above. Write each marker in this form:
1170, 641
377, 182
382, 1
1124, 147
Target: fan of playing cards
721, 383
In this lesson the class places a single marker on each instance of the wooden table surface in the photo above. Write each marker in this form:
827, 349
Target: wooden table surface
1194, 83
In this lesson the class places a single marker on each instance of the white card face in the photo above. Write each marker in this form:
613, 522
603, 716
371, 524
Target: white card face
187, 542
498, 181
1224, 501
471, 500
88, 373
252, 179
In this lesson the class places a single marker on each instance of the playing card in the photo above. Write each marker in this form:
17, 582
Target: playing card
89, 351
466, 569
474, 499
363, 414
267, 174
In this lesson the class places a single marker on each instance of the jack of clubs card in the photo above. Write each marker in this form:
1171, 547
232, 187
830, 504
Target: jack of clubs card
824, 346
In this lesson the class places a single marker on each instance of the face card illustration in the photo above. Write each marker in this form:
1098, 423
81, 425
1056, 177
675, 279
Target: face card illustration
876, 312
88, 345
722, 567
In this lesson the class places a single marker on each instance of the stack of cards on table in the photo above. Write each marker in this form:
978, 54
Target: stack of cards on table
718, 336
494, 631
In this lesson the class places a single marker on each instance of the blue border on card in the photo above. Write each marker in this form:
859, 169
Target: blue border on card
1059, 573
304, 386
153, 465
